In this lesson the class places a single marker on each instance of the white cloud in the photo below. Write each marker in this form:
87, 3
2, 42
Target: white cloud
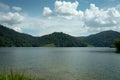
65, 17
64, 9
11, 18
47, 11
92, 12
16, 8
18, 29
41, 26
95, 17
4, 7
92, 17
112, 12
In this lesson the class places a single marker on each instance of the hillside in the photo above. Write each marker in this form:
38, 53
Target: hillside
9, 37
60, 39
102, 39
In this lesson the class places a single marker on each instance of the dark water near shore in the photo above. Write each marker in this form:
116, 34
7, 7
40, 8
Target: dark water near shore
63, 63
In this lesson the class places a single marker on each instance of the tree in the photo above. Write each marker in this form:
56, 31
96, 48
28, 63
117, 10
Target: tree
117, 44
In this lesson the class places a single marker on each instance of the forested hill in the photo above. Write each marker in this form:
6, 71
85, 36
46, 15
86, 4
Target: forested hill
102, 39
9, 37
60, 39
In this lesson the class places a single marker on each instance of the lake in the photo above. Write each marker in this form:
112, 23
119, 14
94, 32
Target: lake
92, 63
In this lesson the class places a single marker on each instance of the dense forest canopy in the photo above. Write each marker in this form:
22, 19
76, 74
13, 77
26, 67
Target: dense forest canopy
102, 39
11, 38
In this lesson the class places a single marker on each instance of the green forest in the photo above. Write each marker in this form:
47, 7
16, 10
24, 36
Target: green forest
11, 38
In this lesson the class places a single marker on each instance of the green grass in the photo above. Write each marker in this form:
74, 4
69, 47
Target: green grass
16, 76
50, 45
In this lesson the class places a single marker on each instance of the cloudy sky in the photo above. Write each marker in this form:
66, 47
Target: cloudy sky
74, 17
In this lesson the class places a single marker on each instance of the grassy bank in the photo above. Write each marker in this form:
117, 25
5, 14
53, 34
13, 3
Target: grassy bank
16, 76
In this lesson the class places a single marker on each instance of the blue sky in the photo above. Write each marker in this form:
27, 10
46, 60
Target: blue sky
75, 17
32, 7
35, 7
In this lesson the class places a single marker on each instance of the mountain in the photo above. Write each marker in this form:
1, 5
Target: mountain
9, 37
102, 39
60, 39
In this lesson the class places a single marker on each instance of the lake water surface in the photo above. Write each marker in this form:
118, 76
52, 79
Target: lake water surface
63, 63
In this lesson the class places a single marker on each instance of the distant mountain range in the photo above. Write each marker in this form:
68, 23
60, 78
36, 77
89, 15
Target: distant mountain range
11, 38
102, 39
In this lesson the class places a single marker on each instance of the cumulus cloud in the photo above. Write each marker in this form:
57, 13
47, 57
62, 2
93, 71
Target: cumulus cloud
47, 11
95, 17
8, 17
64, 9
92, 17
11, 18
16, 8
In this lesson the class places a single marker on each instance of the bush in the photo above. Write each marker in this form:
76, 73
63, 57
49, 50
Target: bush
117, 44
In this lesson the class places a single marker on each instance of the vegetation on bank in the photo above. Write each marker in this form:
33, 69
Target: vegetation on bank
49, 45
16, 76
117, 44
